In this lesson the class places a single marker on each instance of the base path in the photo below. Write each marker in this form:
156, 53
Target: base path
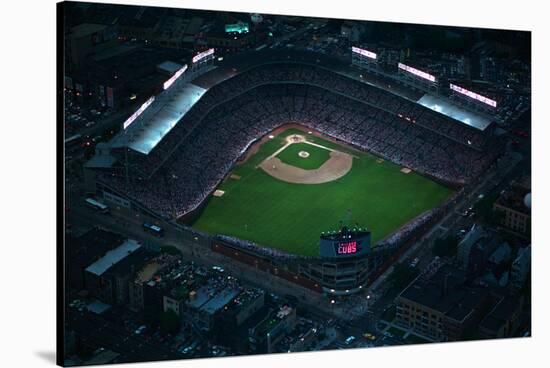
338, 165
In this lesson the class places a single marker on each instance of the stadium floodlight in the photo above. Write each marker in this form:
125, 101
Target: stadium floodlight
136, 114
173, 78
363, 52
418, 73
473, 95
200, 56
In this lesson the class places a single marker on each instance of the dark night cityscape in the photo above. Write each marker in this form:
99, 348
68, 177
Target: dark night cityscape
246, 183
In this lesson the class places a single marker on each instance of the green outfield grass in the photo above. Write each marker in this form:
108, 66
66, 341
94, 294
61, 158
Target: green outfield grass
291, 217
317, 156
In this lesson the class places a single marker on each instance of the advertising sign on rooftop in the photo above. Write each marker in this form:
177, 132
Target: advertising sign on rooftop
418, 73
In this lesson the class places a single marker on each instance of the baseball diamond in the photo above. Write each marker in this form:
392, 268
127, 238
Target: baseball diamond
280, 204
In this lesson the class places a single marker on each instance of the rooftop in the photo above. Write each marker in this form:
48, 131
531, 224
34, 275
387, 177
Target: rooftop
202, 295
143, 137
272, 320
500, 314
155, 266
82, 250
113, 256
523, 258
501, 254
169, 67
125, 63
475, 235
514, 198
246, 297
220, 300
446, 108
98, 307
86, 29
446, 293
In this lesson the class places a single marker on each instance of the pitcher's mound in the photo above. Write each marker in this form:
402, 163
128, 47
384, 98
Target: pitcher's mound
303, 154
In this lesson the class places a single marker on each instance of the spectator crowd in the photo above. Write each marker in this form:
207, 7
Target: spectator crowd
189, 163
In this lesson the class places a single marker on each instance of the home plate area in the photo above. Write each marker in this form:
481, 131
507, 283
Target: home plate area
336, 165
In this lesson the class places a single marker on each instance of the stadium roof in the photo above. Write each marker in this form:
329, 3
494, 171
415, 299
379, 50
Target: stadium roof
448, 109
113, 256
169, 67
145, 136
252, 59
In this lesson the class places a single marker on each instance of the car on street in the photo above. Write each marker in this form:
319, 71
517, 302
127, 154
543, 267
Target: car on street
349, 340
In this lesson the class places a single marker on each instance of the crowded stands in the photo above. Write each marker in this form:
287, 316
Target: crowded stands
189, 163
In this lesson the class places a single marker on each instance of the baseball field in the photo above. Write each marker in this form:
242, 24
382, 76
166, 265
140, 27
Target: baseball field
296, 185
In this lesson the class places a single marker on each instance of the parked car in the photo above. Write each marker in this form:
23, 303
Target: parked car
349, 340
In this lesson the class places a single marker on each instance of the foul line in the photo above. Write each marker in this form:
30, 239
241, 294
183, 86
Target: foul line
328, 149
304, 141
318, 145
279, 150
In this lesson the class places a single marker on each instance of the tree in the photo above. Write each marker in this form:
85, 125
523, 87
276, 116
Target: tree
402, 274
445, 247
170, 249
485, 211
170, 322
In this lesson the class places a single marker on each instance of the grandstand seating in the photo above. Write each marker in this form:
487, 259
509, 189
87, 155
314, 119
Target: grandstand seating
196, 155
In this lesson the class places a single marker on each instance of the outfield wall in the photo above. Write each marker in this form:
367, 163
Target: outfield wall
333, 276
264, 265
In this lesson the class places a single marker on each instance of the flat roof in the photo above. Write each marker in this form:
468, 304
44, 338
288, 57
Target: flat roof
100, 161
113, 256
143, 137
448, 109
86, 29
456, 302
148, 271
114, 51
169, 67
220, 300
201, 297
98, 307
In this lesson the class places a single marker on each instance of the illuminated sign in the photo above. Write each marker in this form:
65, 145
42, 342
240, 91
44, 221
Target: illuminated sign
202, 55
236, 28
363, 52
347, 248
176, 75
344, 243
473, 95
418, 73
139, 111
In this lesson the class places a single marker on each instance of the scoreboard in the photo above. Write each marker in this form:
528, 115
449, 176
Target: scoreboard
345, 243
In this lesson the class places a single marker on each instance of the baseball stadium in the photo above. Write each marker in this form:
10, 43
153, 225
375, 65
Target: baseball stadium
272, 155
